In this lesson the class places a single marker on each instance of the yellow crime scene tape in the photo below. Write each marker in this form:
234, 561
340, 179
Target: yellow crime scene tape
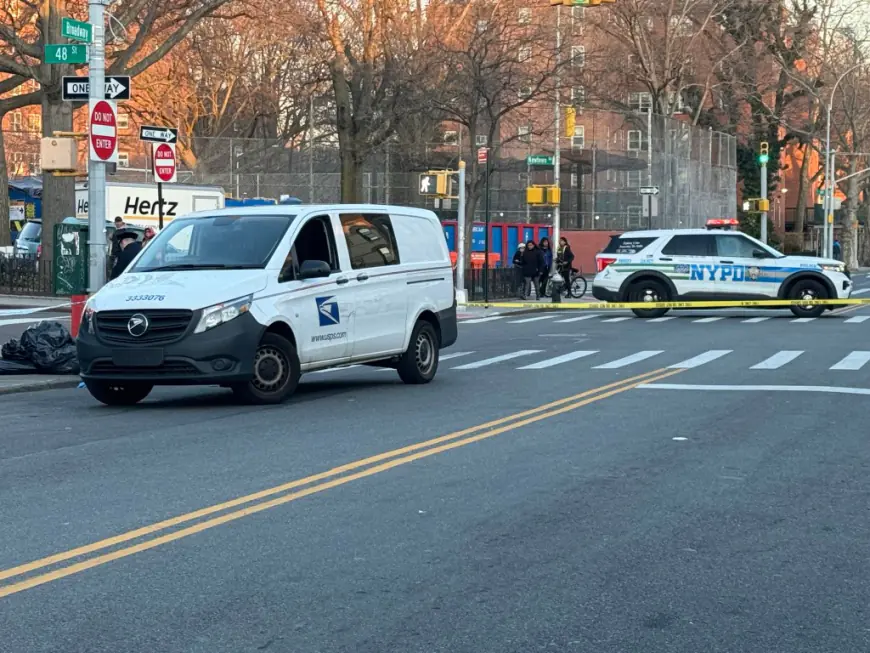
603, 306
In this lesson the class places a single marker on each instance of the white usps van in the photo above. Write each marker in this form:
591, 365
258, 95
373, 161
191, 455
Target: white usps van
251, 298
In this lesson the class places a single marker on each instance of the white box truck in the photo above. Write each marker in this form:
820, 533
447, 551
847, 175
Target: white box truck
137, 203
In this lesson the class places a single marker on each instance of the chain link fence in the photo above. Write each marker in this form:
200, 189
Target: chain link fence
603, 166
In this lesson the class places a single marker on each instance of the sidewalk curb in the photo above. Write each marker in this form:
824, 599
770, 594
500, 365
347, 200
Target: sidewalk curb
37, 386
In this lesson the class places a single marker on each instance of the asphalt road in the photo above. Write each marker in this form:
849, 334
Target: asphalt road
586, 485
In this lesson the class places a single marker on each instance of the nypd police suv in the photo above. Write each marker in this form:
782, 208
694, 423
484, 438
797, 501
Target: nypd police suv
699, 264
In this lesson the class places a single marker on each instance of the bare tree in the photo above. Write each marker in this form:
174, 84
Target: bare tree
148, 32
497, 68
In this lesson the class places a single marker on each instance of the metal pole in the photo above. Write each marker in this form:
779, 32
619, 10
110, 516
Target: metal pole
649, 147
826, 200
557, 232
460, 246
387, 176
97, 169
764, 196
486, 230
311, 150
160, 205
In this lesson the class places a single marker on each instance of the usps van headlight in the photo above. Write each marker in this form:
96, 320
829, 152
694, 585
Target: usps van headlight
841, 267
221, 313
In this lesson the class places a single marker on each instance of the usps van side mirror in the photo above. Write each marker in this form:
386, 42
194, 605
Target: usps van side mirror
314, 270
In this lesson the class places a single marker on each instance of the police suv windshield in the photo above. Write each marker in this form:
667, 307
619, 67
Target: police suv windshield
218, 242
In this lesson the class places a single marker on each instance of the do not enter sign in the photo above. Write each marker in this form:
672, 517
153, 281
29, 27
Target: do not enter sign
103, 130
164, 163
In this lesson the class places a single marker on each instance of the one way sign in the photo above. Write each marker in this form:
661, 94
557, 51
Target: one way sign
78, 89
158, 134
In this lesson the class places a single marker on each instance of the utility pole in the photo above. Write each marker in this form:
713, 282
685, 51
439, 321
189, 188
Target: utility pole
558, 145
763, 158
97, 169
311, 150
460, 228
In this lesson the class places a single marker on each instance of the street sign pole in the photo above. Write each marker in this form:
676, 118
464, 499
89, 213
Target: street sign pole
486, 230
97, 169
460, 245
557, 163
764, 195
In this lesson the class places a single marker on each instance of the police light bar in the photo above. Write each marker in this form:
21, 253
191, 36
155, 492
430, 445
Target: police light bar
722, 223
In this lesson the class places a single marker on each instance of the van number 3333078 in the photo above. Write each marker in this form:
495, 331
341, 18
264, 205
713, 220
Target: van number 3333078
145, 298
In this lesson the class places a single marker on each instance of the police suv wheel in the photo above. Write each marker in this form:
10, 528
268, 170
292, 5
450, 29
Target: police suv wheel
648, 291
276, 372
420, 362
118, 393
807, 289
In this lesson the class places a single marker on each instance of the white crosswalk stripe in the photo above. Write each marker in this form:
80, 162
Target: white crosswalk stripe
861, 291
854, 361
701, 359
481, 320
663, 319
617, 319
498, 359
454, 354
705, 320
755, 320
858, 319
532, 319
777, 360
577, 319
628, 360
802, 320
558, 360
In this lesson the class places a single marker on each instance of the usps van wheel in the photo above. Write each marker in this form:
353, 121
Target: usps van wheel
420, 362
807, 289
118, 393
276, 372
648, 290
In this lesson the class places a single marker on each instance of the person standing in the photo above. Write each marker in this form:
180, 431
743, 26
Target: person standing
130, 248
565, 263
533, 261
120, 225
547, 253
517, 264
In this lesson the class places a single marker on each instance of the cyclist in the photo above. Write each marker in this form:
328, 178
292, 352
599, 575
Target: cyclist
564, 262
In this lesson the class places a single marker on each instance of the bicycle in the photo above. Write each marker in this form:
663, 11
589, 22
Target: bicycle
578, 285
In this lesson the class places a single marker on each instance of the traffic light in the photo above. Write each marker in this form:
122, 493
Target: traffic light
535, 195
433, 183
763, 153
570, 121
758, 205
554, 195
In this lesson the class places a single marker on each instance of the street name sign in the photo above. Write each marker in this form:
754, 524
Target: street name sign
76, 30
78, 89
539, 160
649, 190
152, 134
165, 165
67, 53
103, 131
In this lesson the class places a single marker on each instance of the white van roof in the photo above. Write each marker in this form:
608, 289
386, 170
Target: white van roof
296, 209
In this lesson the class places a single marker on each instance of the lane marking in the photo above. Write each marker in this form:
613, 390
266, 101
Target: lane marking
701, 359
628, 360
334, 369
558, 360
858, 319
481, 320
802, 320
31, 320
861, 291
532, 319
757, 388
663, 319
537, 414
777, 360
456, 354
755, 320
705, 320
854, 361
618, 319
577, 319
497, 359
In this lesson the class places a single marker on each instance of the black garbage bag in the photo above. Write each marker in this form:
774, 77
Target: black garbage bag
48, 346
13, 351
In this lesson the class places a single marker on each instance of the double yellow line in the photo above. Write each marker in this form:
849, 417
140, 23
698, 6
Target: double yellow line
290, 491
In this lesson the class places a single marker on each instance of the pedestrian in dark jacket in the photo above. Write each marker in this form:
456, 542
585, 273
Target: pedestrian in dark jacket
533, 262
565, 262
120, 226
130, 248
547, 253
517, 264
